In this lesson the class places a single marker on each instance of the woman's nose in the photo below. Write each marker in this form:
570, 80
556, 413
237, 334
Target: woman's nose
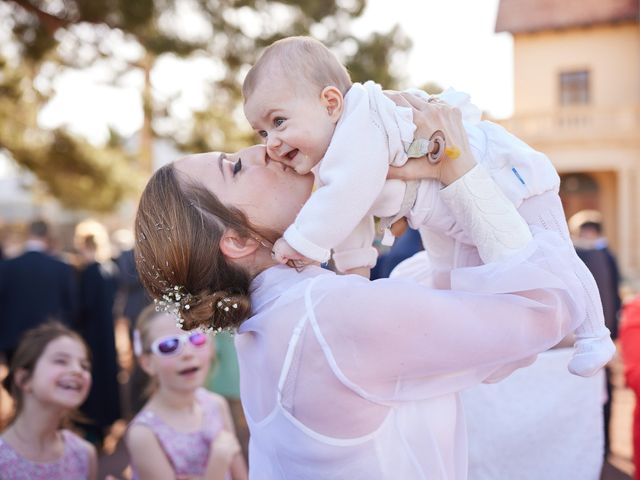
250, 156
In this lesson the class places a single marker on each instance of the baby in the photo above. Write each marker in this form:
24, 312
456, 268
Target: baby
301, 101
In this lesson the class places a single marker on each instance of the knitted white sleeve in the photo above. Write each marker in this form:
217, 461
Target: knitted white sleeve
490, 219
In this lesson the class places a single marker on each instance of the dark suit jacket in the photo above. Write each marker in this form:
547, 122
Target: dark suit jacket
34, 287
604, 268
133, 295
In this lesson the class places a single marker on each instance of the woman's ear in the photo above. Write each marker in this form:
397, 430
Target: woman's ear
333, 100
233, 245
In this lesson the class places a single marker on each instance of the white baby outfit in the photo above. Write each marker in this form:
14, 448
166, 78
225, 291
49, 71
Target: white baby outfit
374, 133
343, 378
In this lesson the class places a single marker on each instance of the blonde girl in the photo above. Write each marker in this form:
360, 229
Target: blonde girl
183, 431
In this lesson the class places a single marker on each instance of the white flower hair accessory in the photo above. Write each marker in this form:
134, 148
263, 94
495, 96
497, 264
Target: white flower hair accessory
174, 301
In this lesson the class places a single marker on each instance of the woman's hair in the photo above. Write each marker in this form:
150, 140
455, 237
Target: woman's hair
179, 225
31, 347
304, 59
91, 234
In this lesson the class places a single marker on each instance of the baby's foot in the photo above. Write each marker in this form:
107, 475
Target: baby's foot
590, 355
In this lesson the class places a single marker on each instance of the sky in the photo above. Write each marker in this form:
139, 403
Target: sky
454, 45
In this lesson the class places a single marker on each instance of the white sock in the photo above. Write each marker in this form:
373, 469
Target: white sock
591, 354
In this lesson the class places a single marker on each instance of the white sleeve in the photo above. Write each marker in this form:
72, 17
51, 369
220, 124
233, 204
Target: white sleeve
352, 175
396, 340
496, 228
357, 250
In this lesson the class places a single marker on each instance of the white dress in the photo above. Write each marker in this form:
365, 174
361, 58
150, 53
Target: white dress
541, 423
343, 378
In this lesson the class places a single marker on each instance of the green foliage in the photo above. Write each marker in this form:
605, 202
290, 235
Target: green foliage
75, 172
374, 58
55, 36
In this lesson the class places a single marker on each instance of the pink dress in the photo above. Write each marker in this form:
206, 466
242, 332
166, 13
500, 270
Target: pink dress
73, 465
187, 452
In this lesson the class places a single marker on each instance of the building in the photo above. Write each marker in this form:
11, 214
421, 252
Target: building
577, 99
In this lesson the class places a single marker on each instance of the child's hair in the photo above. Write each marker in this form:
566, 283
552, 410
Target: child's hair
142, 344
32, 344
303, 58
142, 333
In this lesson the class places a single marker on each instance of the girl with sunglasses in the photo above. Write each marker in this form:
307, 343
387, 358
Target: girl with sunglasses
183, 431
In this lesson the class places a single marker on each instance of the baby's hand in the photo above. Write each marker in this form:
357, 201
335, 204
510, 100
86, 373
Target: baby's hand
283, 252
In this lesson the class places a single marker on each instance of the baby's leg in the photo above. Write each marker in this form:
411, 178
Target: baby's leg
594, 347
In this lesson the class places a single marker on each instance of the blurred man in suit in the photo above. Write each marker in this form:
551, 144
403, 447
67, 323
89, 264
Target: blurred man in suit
34, 287
593, 250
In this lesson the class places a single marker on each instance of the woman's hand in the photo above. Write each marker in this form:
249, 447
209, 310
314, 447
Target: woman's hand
429, 116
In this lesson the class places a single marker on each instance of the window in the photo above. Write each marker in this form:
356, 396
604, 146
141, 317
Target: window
574, 88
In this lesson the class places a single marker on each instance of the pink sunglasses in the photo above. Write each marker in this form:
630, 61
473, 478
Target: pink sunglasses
173, 344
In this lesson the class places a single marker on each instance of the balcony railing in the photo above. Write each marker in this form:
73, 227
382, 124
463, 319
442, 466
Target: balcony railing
577, 123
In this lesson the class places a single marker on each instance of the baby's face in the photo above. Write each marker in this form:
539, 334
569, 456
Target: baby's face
295, 127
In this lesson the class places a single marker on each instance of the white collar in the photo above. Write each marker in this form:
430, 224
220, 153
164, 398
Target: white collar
272, 283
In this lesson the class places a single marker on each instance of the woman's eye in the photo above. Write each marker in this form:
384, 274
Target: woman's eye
262, 133
237, 166
278, 121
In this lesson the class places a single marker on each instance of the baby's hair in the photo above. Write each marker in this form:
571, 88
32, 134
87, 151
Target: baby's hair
32, 344
305, 60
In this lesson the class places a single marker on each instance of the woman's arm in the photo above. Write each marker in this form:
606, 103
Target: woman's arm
398, 340
394, 339
147, 457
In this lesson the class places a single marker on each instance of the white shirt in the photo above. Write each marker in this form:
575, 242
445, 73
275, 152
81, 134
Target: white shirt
343, 378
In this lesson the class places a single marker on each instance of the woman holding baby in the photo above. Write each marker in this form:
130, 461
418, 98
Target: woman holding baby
341, 377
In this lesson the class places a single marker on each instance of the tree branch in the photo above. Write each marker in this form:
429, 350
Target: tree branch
50, 22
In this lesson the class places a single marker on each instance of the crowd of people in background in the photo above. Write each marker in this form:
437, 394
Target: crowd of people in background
87, 290
78, 296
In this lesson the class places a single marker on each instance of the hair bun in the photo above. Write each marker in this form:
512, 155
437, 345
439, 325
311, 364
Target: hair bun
218, 310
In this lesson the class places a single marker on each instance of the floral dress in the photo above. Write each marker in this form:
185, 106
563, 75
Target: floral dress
73, 465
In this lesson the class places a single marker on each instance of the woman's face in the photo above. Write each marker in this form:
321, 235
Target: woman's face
269, 193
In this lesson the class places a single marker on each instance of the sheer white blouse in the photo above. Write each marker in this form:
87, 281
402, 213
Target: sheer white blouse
343, 378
